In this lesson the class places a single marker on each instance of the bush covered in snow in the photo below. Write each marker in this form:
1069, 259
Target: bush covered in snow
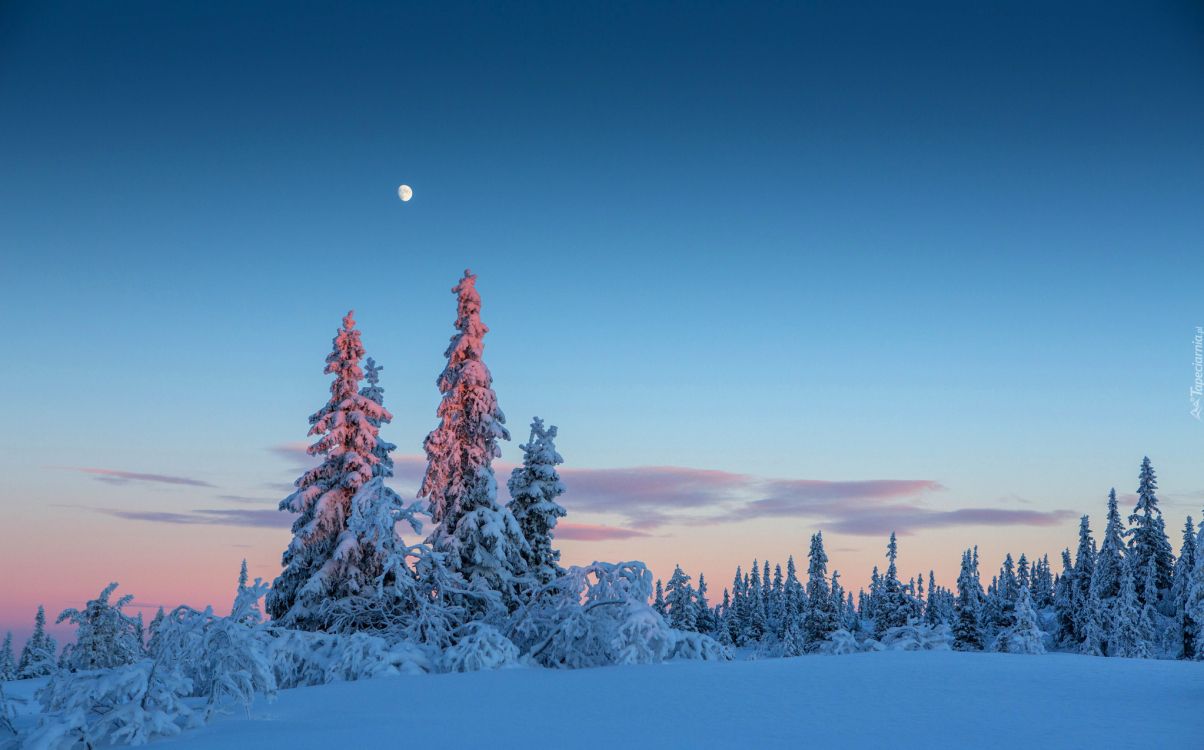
480, 646
105, 636
599, 614
130, 704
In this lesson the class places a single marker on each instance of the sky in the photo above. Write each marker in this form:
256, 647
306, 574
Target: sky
771, 270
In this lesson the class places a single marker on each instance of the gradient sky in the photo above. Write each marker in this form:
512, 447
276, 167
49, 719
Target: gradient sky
934, 268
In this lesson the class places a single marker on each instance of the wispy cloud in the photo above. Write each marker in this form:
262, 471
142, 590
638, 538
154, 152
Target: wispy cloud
206, 516
121, 477
588, 532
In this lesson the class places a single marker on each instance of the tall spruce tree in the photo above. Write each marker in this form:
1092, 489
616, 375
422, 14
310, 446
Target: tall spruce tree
1188, 628
679, 600
967, 627
1084, 573
322, 563
822, 617
1147, 537
534, 487
8, 661
374, 392
38, 658
481, 538
894, 606
1194, 606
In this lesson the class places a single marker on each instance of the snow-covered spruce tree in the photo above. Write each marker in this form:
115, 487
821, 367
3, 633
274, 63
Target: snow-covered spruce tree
1188, 628
704, 617
1110, 560
967, 626
1128, 634
1024, 635
1194, 605
375, 393
1084, 573
105, 637
534, 487
38, 658
323, 561
658, 599
820, 618
483, 540
8, 662
679, 601
893, 606
1064, 604
1147, 537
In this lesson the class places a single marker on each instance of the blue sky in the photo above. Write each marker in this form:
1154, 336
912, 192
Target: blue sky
947, 243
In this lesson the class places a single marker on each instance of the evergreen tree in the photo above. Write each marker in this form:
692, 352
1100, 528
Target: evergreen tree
321, 563
1024, 635
932, 609
1084, 572
822, 616
1147, 537
1129, 636
38, 656
1108, 564
679, 598
105, 636
1064, 603
792, 594
894, 606
483, 540
1194, 605
658, 602
8, 662
534, 487
704, 616
374, 392
1180, 588
967, 629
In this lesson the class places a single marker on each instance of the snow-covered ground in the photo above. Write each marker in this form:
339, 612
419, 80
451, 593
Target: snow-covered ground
878, 700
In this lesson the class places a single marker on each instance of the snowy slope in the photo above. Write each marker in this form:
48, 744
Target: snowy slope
893, 699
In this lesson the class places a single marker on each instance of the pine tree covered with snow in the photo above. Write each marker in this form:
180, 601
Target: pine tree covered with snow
1194, 604
820, 618
324, 561
482, 538
105, 636
1129, 635
1147, 537
967, 626
1024, 635
375, 393
893, 606
8, 661
1188, 628
534, 487
39, 657
679, 601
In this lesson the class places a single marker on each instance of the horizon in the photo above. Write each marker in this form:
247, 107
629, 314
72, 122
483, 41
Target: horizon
743, 334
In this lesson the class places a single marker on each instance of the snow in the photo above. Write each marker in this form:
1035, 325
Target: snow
933, 699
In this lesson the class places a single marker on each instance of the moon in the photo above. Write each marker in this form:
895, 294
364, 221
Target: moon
405, 193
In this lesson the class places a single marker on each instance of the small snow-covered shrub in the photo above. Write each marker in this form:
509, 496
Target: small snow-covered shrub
479, 647
225, 658
915, 636
105, 636
360, 656
301, 658
597, 615
131, 704
696, 646
840, 642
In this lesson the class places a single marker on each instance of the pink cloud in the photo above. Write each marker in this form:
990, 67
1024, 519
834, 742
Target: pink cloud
588, 532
